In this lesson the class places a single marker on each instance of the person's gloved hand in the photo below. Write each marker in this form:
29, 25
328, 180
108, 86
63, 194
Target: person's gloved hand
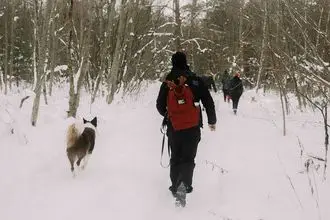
212, 127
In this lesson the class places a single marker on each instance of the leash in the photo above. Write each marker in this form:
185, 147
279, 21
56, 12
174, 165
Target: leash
163, 130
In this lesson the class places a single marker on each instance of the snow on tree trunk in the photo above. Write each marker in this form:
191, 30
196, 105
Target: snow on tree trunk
97, 85
76, 82
52, 48
113, 79
239, 58
44, 90
283, 110
106, 32
326, 141
76, 79
12, 43
5, 74
128, 72
35, 56
36, 67
35, 108
75, 86
192, 31
40, 54
318, 32
177, 31
263, 47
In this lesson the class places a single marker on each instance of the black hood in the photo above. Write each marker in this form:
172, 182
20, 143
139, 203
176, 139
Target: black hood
179, 61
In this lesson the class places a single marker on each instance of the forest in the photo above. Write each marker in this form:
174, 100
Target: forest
107, 45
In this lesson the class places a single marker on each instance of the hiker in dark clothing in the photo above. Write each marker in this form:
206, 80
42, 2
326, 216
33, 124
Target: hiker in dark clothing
225, 86
209, 81
235, 90
183, 142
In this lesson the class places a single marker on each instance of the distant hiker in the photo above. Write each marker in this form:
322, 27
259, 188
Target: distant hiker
178, 101
225, 85
235, 90
208, 80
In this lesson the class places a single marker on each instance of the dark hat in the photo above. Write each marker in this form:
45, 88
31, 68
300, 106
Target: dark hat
179, 60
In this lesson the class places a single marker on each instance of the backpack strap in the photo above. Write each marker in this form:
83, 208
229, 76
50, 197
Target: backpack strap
181, 81
163, 131
177, 88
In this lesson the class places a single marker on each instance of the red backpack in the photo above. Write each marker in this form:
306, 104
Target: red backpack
181, 108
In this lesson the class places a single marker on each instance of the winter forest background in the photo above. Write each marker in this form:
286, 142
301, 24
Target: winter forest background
111, 47
105, 45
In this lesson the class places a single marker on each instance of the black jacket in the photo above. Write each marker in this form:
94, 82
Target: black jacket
201, 93
225, 80
209, 82
236, 87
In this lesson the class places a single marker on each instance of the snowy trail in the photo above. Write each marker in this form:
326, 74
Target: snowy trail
124, 180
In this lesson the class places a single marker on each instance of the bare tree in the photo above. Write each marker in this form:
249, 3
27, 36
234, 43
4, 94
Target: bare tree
40, 59
78, 55
263, 46
177, 32
52, 44
6, 48
114, 72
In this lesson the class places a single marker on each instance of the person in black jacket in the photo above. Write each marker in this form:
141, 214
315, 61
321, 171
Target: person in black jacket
225, 86
208, 80
235, 90
183, 143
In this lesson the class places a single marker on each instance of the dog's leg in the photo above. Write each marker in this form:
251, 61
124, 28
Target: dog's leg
71, 159
74, 174
72, 169
79, 160
86, 158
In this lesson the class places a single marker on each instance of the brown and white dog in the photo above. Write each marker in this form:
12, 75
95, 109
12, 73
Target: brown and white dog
80, 145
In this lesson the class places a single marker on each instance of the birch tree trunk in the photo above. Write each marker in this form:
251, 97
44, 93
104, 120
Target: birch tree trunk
6, 60
318, 31
12, 42
41, 37
192, 30
71, 112
107, 61
177, 32
52, 48
299, 98
326, 49
36, 67
282, 94
263, 46
129, 69
106, 50
240, 34
326, 140
75, 86
305, 29
113, 79
76, 79
283, 112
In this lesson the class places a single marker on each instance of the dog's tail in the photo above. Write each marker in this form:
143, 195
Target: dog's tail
71, 136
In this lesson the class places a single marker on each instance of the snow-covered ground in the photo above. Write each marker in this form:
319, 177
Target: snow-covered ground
245, 170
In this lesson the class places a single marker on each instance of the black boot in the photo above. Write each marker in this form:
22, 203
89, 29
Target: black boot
180, 195
173, 189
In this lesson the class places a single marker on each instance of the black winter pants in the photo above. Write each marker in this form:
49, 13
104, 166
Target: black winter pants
235, 100
225, 94
183, 151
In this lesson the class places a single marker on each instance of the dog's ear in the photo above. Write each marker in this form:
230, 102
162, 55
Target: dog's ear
85, 121
94, 122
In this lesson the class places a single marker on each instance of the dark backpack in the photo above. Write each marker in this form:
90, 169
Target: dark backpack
181, 108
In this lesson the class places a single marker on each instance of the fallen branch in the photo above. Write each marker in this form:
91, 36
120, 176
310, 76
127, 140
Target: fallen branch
216, 166
23, 100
